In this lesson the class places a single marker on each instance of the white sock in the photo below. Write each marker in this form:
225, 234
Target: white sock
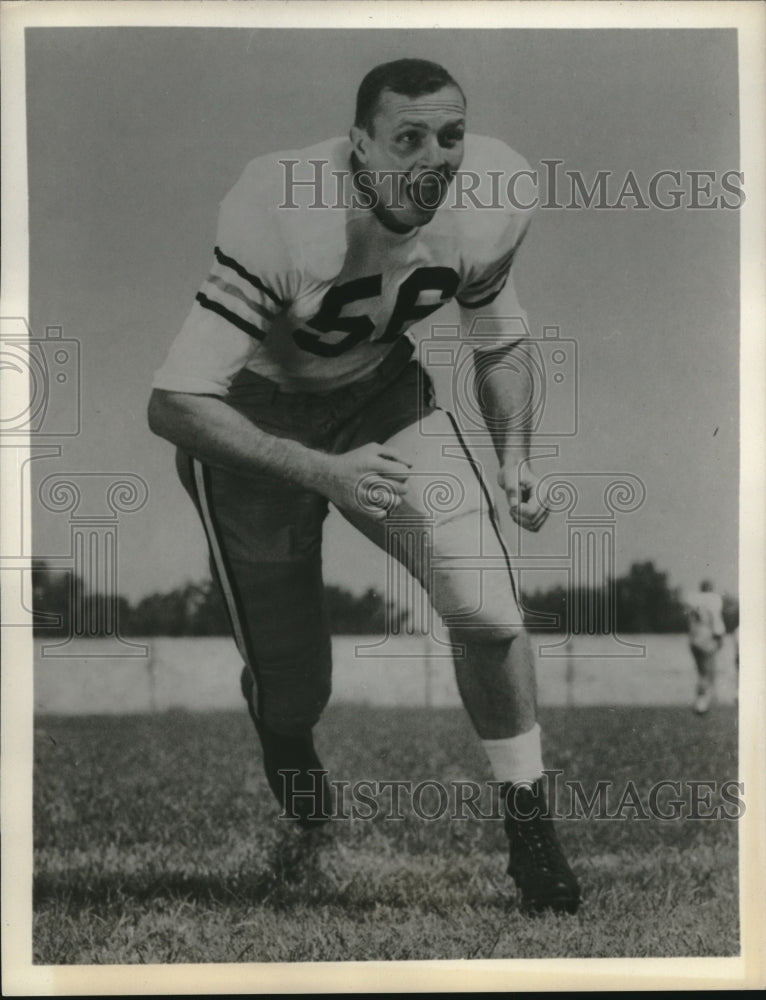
516, 759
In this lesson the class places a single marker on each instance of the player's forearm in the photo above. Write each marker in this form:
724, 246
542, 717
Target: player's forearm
504, 390
215, 433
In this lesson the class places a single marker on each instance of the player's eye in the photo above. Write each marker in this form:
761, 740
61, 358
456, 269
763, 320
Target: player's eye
452, 137
408, 139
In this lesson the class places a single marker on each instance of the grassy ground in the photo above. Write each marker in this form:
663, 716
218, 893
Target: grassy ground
157, 841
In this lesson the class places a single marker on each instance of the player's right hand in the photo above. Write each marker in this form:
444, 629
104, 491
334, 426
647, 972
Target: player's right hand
369, 480
525, 500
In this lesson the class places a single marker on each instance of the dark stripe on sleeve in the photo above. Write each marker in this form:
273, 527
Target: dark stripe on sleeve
253, 279
504, 264
249, 328
500, 268
482, 302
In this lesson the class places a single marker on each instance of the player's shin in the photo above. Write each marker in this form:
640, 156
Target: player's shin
292, 766
536, 861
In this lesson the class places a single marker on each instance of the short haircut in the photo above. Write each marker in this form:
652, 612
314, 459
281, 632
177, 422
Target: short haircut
411, 77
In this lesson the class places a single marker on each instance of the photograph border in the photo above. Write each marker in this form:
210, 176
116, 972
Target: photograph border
20, 976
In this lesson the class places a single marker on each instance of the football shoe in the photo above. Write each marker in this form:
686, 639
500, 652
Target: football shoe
536, 861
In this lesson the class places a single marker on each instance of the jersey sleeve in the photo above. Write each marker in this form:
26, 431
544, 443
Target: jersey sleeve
250, 282
489, 306
490, 311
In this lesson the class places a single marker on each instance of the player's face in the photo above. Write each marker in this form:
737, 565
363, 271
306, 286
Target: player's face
415, 148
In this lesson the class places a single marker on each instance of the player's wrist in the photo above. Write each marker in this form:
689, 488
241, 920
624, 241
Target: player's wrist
297, 463
513, 458
313, 469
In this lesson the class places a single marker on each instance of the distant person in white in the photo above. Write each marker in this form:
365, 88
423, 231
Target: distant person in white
706, 631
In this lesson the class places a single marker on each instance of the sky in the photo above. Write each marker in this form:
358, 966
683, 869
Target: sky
135, 135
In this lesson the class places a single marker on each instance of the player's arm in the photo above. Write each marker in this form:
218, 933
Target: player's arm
250, 284
493, 319
503, 387
209, 428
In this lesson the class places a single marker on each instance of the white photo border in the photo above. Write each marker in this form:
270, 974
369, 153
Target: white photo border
20, 977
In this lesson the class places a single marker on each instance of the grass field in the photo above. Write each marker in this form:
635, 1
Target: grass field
157, 841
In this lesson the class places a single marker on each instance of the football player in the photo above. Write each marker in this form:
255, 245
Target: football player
706, 632
293, 384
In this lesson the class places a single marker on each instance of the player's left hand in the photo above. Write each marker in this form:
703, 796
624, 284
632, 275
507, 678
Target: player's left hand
524, 494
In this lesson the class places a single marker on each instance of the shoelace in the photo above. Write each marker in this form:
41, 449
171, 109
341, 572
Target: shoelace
539, 844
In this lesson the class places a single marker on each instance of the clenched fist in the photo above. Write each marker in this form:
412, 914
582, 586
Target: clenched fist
370, 480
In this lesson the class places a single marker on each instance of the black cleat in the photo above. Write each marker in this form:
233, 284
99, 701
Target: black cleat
293, 769
537, 863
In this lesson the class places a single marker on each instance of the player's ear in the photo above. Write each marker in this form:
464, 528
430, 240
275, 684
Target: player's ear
359, 140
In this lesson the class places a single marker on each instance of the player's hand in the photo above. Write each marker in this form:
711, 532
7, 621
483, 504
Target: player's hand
370, 480
525, 496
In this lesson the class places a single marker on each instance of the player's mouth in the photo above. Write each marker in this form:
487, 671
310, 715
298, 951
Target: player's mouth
428, 190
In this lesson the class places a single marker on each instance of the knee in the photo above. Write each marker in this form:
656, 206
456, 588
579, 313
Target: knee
485, 633
487, 618
478, 606
294, 712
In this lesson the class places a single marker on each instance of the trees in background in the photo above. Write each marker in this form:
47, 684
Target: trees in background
192, 609
368, 614
641, 601
646, 603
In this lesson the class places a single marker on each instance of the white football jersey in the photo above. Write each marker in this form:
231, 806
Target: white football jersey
705, 611
311, 290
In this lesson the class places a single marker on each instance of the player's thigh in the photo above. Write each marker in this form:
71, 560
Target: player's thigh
446, 532
261, 519
265, 551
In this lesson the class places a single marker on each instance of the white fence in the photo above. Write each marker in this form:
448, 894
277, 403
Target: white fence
199, 674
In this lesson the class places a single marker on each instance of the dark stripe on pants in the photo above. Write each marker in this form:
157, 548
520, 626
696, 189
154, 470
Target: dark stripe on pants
225, 578
490, 503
